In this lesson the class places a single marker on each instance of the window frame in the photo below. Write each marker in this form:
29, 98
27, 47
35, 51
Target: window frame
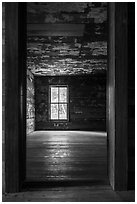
49, 105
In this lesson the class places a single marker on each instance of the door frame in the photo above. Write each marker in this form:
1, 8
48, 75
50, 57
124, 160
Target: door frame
117, 96
15, 96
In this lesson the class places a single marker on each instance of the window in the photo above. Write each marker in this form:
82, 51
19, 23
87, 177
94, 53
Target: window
58, 102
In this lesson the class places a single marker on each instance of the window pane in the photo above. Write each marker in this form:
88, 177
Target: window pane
54, 111
63, 94
62, 111
54, 94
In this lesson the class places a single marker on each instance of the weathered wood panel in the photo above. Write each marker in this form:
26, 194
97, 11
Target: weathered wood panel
110, 106
11, 98
117, 96
14, 97
121, 91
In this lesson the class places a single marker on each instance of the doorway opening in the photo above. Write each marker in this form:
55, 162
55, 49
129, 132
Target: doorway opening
117, 170
66, 92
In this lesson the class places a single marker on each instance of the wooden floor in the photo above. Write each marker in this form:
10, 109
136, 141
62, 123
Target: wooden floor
66, 156
71, 194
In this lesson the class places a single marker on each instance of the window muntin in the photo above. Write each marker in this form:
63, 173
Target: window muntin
58, 102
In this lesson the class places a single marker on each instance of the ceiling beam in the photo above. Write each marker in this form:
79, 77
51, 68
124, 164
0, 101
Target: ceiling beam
55, 29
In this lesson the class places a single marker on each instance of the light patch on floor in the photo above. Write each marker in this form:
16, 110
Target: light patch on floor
66, 156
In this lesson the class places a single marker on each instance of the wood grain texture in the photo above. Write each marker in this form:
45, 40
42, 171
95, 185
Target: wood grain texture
11, 97
110, 106
121, 96
66, 156
117, 96
14, 94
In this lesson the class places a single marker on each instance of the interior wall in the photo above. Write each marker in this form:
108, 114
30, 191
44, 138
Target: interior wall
66, 38
87, 102
30, 112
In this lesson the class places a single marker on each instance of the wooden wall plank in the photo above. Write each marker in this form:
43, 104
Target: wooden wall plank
14, 96
117, 96
22, 34
11, 98
121, 91
110, 106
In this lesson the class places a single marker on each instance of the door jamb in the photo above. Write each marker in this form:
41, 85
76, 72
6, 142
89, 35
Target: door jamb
15, 91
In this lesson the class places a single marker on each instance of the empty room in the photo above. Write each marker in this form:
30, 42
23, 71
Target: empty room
71, 107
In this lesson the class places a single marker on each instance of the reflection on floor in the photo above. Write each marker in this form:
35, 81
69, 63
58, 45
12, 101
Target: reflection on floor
66, 156
72, 194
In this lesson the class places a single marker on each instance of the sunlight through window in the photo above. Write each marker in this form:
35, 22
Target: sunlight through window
58, 102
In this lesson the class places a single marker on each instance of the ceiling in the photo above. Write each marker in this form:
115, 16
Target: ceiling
66, 38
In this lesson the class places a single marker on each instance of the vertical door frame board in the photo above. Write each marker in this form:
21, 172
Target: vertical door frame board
15, 150
110, 94
15, 139
22, 50
121, 96
12, 98
117, 91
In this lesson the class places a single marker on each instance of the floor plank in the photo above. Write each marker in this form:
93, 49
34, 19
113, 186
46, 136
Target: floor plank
59, 156
66, 155
67, 194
